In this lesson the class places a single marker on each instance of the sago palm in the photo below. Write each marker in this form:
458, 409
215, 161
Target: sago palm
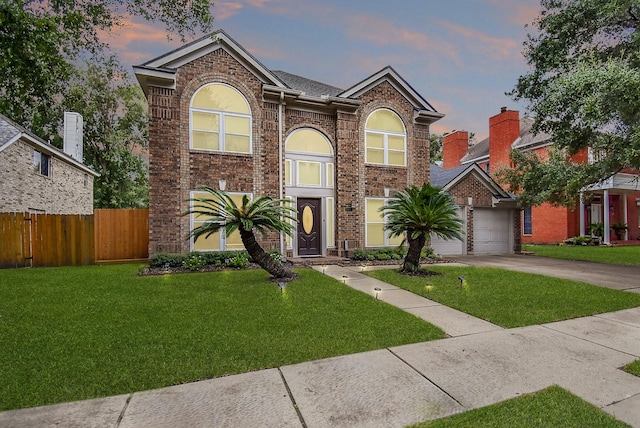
262, 214
416, 213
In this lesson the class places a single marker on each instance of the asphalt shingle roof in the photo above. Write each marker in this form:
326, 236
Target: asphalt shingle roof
440, 177
308, 86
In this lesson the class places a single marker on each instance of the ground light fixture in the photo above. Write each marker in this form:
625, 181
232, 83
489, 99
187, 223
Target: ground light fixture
344, 279
324, 268
281, 286
428, 287
462, 280
377, 290
362, 267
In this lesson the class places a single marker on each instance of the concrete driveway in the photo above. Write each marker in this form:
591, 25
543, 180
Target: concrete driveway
612, 276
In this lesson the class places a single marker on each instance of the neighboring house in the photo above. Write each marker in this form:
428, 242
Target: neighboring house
218, 117
616, 200
491, 218
40, 178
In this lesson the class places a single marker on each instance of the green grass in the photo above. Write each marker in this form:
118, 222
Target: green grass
633, 368
511, 299
552, 407
624, 255
83, 332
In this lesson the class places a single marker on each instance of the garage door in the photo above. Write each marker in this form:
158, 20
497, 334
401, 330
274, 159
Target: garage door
452, 247
491, 231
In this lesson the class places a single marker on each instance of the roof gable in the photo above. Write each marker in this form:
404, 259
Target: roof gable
448, 178
10, 132
161, 70
388, 74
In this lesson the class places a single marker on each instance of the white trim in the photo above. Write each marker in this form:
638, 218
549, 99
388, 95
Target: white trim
330, 214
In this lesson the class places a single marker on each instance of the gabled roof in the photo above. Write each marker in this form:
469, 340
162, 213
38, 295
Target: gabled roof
10, 132
161, 70
448, 178
425, 110
527, 141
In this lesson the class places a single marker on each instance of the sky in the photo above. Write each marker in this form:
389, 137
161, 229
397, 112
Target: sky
462, 56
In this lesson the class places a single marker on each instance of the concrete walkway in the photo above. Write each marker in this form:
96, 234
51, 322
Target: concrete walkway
480, 364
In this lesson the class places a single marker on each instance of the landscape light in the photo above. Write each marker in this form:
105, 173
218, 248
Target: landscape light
377, 290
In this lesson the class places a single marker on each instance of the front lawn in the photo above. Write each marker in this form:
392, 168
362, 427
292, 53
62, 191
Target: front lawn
623, 255
552, 407
510, 299
81, 332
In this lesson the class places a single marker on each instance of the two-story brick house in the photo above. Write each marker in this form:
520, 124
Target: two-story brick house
219, 117
615, 200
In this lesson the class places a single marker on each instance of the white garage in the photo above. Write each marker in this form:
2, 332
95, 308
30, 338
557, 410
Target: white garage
492, 231
451, 247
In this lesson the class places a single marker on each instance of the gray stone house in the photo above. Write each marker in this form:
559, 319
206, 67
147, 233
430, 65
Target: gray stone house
40, 178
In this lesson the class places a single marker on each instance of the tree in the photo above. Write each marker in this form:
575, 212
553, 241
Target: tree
263, 214
115, 133
41, 40
435, 147
584, 88
416, 213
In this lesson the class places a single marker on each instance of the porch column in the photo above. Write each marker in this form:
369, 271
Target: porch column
607, 230
582, 226
625, 216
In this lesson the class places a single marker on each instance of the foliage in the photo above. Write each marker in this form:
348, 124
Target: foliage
511, 299
622, 255
211, 258
416, 213
394, 253
239, 261
584, 88
194, 262
596, 229
263, 214
550, 408
579, 240
619, 226
633, 368
99, 331
435, 147
41, 42
115, 133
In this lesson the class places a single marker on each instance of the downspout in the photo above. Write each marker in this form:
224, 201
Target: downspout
280, 162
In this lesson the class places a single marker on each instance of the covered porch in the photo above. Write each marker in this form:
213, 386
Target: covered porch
615, 205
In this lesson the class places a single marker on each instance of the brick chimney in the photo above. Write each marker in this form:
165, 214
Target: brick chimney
454, 146
504, 129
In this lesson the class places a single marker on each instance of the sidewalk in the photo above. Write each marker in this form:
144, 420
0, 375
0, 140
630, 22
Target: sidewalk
479, 364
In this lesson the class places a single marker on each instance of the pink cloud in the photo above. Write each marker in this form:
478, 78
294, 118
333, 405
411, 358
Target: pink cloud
225, 10
497, 47
382, 32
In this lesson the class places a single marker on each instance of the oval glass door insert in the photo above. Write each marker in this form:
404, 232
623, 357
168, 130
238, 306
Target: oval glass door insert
307, 220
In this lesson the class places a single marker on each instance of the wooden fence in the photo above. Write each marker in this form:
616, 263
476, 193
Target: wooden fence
40, 240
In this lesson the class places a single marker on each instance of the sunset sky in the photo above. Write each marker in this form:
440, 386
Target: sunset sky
460, 55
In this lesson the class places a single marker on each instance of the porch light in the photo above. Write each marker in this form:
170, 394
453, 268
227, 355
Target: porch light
222, 184
377, 290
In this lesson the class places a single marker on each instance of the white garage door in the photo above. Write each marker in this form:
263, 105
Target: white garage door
491, 231
452, 247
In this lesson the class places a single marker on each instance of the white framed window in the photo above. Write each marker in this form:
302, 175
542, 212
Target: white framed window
217, 241
330, 177
331, 229
291, 201
385, 139
309, 173
527, 221
220, 120
375, 235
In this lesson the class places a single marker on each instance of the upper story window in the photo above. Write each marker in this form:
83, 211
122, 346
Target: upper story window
220, 120
42, 163
385, 139
309, 159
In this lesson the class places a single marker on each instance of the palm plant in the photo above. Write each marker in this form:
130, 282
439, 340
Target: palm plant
416, 213
263, 214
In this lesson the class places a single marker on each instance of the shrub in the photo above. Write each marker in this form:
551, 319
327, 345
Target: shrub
359, 254
240, 261
427, 253
194, 262
167, 260
275, 255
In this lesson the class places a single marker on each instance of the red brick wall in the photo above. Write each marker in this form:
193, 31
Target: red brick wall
550, 224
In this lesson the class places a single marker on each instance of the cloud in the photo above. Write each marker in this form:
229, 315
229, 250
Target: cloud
497, 47
225, 10
382, 32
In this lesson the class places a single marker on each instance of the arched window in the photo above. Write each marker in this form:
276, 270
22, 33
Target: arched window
220, 120
385, 139
309, 159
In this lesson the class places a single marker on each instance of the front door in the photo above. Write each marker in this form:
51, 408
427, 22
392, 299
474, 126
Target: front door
309, 227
